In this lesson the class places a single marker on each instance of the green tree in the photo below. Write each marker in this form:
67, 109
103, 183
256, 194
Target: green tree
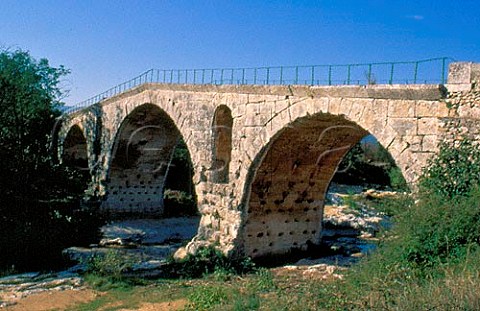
29, 102
35, 193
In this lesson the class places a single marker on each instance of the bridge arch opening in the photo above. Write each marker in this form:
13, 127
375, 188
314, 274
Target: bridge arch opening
75, 152
145, 164
288, 181
221, 144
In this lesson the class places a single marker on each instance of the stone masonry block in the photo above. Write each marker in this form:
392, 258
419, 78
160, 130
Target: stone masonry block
413, 142
402, 126
427, 109
346, 106
334, 106
428, 126
320, 104
429, 143
281, 105
401, 109
298, 110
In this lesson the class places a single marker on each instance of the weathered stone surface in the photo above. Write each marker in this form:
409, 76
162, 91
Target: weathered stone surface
265, 171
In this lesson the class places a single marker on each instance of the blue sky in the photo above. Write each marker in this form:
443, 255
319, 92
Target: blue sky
104, 43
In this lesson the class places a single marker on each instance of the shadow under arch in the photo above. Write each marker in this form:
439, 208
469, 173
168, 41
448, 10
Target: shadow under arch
287, 182
142, 158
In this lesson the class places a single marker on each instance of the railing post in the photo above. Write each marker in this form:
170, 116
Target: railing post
391, 74
221, 76
194, 76
203, 76
255, 76
369, 74
296, 75
243, 76
186, 76
444, 60
348, 74
231, 78
330, 75
268, 75
281, 75
313, 75
415, 73
211, 77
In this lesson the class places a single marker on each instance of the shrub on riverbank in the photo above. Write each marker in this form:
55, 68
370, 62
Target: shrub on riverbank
431, 257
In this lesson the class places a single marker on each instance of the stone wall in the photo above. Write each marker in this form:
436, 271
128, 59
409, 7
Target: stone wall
464, 116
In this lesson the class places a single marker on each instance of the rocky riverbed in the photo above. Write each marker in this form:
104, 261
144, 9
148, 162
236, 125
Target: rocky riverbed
349, 231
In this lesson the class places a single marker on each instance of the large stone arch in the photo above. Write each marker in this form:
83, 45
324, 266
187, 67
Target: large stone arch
288, 180
286, 145
139, 163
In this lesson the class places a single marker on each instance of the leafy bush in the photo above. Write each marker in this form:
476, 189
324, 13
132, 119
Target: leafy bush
35, 242
209, 260
429, 259
454, 171
437, 231
397, 181
444, 224
108, 270
110, 264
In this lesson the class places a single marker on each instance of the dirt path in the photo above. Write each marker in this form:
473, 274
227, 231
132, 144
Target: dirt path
62, 300
53, 300
161, 306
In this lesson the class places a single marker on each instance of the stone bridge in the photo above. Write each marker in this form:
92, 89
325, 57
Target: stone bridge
262, 156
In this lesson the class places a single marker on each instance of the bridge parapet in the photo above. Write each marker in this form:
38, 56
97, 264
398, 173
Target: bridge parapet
404, 72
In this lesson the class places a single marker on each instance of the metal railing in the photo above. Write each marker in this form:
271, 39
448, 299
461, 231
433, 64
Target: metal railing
427, 71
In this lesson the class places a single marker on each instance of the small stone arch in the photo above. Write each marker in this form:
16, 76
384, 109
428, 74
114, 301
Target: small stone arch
221, 144
75, 149
142, 152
